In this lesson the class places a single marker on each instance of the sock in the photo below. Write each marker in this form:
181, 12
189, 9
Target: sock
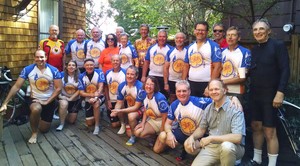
60, 127
122, 129
257, 155
96, 130
272, 159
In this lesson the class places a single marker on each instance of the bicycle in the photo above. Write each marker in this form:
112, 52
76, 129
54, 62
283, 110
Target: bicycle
289, 116
16, 105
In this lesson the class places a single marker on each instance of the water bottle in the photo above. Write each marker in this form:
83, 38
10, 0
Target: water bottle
28, 90
22, 93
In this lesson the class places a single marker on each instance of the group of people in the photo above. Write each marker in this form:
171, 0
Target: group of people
187, 95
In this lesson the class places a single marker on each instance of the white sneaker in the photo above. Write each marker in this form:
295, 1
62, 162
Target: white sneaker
122, 129
55, 117
60, 127
96, 130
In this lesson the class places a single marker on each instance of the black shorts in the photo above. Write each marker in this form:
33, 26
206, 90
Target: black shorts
74, 106
172, 87
112, 119
198, 88
263, 111
89, 112
47, 110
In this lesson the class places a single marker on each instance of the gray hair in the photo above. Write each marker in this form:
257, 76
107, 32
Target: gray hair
183, 82
118, 56
263, 20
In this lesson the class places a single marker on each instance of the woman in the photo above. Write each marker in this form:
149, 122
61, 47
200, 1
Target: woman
110, 49
127, 52
155, 115
69, 97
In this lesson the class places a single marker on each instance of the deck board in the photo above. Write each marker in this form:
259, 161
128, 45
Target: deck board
10, 149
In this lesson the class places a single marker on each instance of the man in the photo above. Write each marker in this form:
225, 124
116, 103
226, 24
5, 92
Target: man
91, 87
75, 47
225, 126
45, 83
202, 61
127, 52
235, 62
269, 75
155, 59
141, 45
127, 91
113, 78
219, 33
94, 46
174, 65
54, 48
187, 111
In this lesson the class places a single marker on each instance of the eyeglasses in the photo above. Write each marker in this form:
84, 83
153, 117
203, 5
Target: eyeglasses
111, 39
215, 30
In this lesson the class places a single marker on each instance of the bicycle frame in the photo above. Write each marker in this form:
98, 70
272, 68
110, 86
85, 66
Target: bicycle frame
287, 126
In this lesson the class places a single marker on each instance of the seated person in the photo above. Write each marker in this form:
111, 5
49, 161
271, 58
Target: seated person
127, 91
226, 128
90, 87
69, 102
113, 78
45, 83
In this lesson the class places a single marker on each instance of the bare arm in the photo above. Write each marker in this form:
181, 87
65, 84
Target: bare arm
236, 80
216, 70
57, 90
145, 69
185, 71
234, 138
166, 75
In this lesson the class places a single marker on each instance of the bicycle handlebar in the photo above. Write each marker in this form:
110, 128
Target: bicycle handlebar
6, 77
290, 104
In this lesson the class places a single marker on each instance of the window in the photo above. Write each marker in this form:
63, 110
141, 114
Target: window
48, 14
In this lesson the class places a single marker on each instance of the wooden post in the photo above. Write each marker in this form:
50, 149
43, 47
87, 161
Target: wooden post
295, 59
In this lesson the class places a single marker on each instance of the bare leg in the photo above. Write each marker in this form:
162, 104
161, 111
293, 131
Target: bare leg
272, 140
63, 111
35, 115
96, 109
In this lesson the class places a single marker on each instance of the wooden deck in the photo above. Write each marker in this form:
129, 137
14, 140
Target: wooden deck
76, 145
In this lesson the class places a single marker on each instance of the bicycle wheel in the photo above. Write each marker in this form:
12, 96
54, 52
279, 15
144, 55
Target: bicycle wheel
11, 106
289, 116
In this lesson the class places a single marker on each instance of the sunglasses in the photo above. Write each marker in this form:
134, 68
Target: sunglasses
218, 31
111, 39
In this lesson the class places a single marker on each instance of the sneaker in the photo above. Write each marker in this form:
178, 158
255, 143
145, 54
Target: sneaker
96, 130
131, 141
55, 117
122, 129
251, 163
60, 127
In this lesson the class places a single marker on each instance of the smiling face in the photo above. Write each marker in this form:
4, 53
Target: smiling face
110, 41
89, 66
96, 34
216, 91
162, 38
40, 58
116, 62
261, 32
149, 86
71, 67
218, 32
232, 38
80, 35
53, 31
179, 39
201, 32
131, 76
183, 93
144, 32
124, 40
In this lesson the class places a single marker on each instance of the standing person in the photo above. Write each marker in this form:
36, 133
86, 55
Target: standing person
269, 74
45, 84
127, 52
202, 61
187, 111
219, 35
174, 65
94, 46
54, 48
75, 48
69, 103
236, 62
226, 131
110, 49
155, 60
91, 87
113, 78
141, 45
128, 91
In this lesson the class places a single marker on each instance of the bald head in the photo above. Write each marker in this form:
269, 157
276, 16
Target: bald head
80, 35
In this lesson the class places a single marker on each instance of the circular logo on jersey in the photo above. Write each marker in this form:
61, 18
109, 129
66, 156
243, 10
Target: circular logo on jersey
70, 89
196, 59
113, 87
124, 58
56, 50
80, 54
150, 113
42, 84
227, 69
91, 88
178, 65
187, 125
95, 52
159, 59
130, 100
